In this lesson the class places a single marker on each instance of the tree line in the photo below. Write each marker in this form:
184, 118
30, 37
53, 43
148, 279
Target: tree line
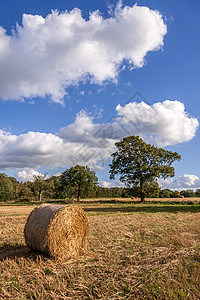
54, 188
138, 165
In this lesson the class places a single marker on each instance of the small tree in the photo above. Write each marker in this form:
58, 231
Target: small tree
188, 193
40, 184
166, 193
139, 163
198, 192
79, 180
175, 194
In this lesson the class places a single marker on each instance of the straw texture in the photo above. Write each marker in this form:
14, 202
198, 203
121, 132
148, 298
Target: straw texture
57, 230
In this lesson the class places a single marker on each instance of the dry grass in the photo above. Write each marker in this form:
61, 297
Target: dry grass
147, 200
139, 252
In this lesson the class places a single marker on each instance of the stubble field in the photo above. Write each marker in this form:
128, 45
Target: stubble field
135, 252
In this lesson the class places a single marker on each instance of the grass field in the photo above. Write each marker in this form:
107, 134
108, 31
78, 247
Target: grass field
135, 252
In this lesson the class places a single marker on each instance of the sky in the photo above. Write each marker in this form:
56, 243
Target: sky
78, 76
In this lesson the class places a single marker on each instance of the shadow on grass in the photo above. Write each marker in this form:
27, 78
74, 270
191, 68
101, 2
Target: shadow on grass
13, 251
146, 209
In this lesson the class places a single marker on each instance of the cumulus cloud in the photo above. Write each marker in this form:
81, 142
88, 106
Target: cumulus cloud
27, 175
163, 123
85, 142
44, 56
108, 184
186, 181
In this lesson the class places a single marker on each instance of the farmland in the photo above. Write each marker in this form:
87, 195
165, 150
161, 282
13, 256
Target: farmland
135, 251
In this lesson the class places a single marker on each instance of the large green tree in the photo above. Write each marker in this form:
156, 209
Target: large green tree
139, 163
78, 180
7, 187
25, 191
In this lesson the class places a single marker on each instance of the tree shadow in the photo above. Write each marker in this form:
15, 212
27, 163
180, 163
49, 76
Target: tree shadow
146, 209
13, 251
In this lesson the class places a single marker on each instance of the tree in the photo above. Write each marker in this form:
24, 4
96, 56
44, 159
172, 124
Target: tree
198, 192
175, 194
188, 193
151, 189
40, 184
166, 193
78, 180
139, 163
25, 191
54, 191
7, 189
15, 184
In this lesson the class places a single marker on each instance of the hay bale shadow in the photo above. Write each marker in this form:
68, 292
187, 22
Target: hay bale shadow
10, 251
146, 209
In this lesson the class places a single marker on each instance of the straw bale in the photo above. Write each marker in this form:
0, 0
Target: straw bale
58, 231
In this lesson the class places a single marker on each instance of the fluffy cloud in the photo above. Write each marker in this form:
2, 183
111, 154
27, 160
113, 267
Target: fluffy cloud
27, 175
44, 56
163, 123
87, 143
108, 184
187, 181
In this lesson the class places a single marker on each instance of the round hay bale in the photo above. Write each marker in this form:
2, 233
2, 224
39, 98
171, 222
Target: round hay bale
57, 230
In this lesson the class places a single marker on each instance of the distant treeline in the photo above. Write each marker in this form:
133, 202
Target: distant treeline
53, 188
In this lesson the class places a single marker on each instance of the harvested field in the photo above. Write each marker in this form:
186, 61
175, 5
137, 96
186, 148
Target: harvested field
135, 252
147, 200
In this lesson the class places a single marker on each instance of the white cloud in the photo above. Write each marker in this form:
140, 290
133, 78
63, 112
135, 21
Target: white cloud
57, 174
4, 43
44, 56
187, 181
108, 184
27, 175
85, 142
163, 123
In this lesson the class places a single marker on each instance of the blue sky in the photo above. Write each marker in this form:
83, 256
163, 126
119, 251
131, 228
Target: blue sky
72, 82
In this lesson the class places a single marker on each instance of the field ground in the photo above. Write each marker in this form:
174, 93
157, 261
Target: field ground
136, 251
147, 200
